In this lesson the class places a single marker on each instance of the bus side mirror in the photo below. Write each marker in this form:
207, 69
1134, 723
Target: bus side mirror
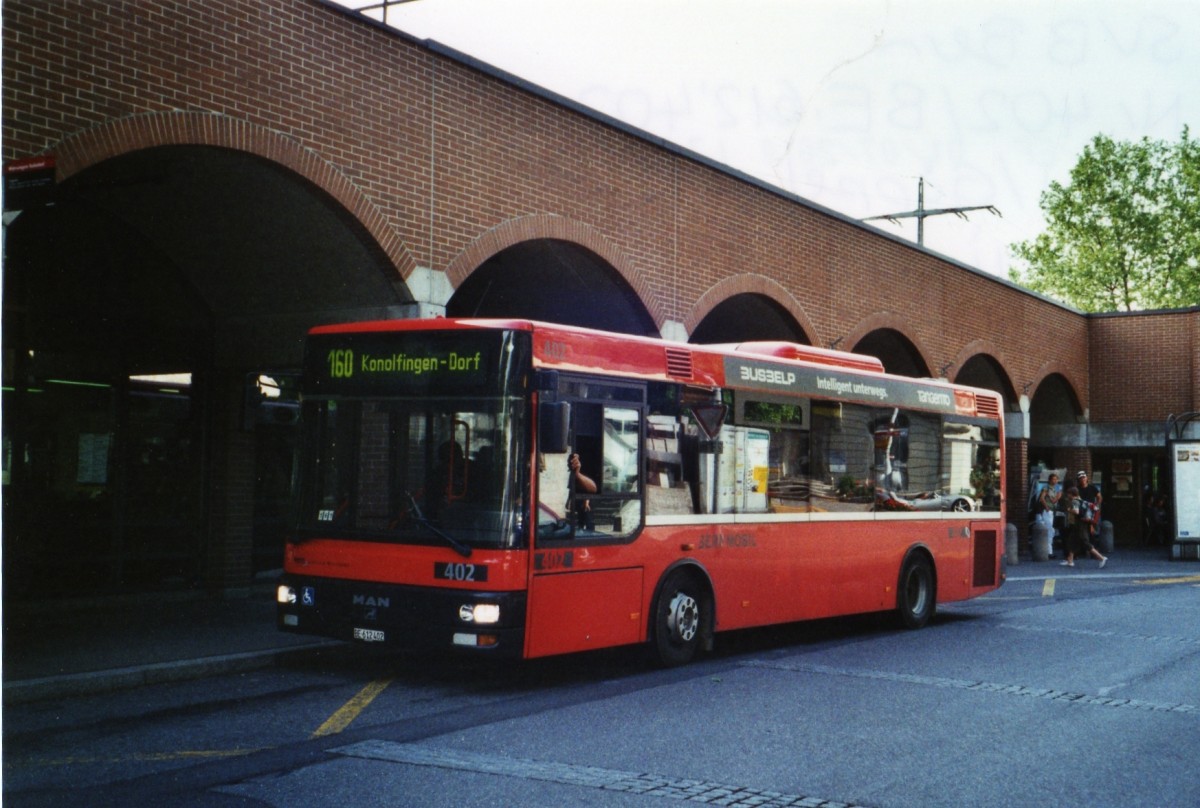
554, 426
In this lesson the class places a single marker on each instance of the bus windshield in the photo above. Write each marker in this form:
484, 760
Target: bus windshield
414, 438
411, 471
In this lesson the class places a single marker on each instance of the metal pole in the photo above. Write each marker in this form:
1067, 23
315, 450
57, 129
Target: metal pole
921, 210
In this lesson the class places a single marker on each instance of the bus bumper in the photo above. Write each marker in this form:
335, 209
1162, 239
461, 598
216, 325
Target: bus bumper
395, 616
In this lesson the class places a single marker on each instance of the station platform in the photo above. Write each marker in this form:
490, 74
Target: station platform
88, 645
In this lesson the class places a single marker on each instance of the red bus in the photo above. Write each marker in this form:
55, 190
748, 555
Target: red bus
525, 489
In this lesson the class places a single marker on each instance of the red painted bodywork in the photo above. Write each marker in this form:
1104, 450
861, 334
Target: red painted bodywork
762, 570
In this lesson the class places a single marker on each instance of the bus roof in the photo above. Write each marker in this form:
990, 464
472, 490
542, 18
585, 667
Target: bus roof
767, 366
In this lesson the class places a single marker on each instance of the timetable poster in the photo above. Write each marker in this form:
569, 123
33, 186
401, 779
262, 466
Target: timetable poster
1185, 464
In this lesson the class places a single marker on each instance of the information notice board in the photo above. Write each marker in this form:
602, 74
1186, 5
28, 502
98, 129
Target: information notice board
1184, 457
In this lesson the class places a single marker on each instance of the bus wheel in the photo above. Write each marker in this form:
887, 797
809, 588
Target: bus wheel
916, 597
679, 619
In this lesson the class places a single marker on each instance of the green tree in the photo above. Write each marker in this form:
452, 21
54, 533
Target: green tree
1124, 232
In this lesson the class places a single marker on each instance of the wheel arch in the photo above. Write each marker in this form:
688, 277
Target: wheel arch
693, 568
919, 549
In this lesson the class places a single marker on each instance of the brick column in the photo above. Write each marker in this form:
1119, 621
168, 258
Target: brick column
1016, 453
228, 552
1075, 459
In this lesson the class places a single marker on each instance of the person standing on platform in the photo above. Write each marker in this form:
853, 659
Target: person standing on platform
1048, 500
1079, 529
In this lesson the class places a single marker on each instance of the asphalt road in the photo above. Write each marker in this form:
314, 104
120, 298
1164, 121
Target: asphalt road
1066, 687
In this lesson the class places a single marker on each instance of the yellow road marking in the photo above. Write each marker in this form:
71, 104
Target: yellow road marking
334, 724
351, 709
1188, 579
1048, 588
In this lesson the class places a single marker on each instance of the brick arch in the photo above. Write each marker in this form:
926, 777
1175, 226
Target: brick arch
881, 320
749, 283
88, 147
989, 349
561, 228
1055, 367
975, 348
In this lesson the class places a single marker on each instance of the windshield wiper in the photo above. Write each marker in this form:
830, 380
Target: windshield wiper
420, 518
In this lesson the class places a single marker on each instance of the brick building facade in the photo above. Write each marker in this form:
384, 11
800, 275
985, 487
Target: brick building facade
229, 173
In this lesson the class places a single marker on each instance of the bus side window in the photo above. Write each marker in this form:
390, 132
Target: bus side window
618, 508
841, 454
668, 490
607, 441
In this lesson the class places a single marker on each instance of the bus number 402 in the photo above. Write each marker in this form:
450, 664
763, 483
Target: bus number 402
460, 572
341, 363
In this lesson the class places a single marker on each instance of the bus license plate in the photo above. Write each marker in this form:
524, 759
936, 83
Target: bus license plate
368, 635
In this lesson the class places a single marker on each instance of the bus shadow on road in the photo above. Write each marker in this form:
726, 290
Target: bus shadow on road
812, 632
422, 669
831, 631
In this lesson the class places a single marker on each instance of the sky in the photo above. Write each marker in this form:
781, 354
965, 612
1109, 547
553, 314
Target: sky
848, 103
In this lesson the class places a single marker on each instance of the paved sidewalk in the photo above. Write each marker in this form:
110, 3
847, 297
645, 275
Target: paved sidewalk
60, 648
1123, 562
70, 647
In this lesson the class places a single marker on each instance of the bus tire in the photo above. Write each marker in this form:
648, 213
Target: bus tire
681, 619
916, 594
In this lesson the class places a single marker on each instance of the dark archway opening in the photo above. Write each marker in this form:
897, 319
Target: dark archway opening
897, 353
746, 318
134, 307
1054, 408
1055, 423
984, 371
553, 281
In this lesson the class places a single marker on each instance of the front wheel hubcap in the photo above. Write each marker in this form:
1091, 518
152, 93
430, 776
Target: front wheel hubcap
683, 617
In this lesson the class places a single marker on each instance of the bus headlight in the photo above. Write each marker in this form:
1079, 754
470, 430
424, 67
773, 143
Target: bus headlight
285, 594
484, 614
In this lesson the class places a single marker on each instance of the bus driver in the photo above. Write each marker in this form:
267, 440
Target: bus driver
582, 508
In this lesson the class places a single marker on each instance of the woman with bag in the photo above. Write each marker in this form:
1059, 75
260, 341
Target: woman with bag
1080, 517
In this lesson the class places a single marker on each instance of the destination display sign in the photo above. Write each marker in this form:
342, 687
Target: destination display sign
751, 374
411, 363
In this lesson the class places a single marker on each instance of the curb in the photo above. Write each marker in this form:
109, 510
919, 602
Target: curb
80, 684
